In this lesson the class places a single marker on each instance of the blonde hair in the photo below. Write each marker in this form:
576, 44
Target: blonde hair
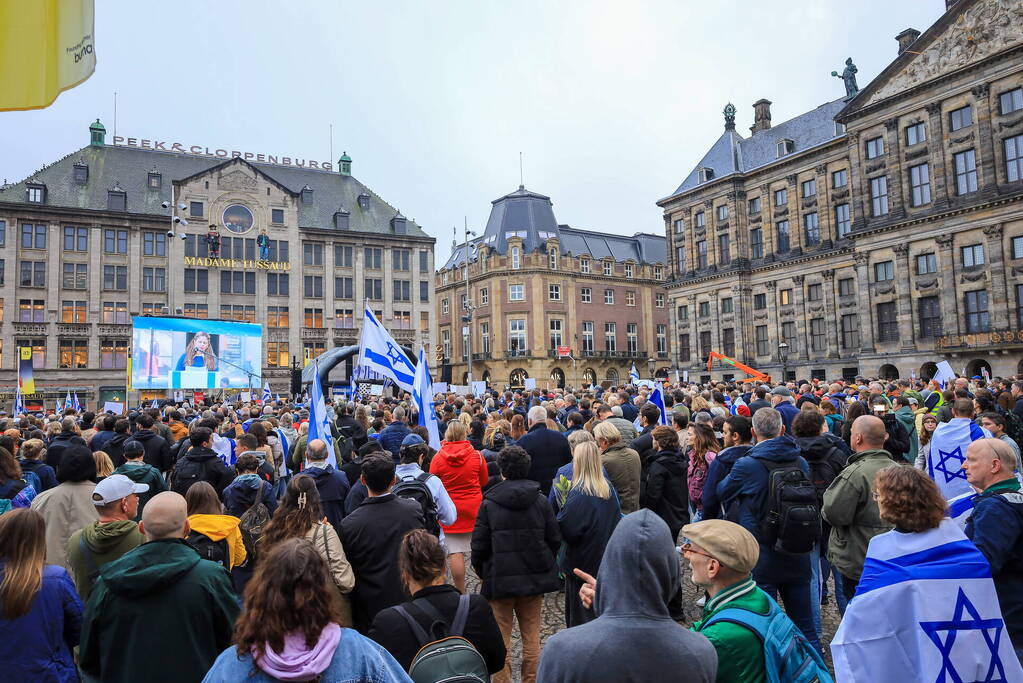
456, 431
607, 432
699, 403
23, 551
465, 418
587, 472
104, 465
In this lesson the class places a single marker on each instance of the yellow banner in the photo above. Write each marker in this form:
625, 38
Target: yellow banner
25, 379
46, 47
26, 352
306, 357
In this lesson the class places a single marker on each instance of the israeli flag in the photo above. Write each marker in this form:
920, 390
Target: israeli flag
319, 426
379, 353
74, 402
67, 401
948, 453
154, 404
658, 400
266, 392
961, 507
633, 375
422, 394
19, 406
278, 399
925, 610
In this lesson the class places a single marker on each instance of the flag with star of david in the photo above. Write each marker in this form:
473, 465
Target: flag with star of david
925, 610
948, 452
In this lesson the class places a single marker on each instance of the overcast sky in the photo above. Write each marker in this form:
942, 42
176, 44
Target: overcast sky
611, 103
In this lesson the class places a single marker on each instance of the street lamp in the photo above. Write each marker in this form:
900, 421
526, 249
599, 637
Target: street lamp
469, 307
650, 362
783, 350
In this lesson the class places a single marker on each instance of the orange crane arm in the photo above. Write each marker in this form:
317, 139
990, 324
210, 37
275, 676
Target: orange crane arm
754, 374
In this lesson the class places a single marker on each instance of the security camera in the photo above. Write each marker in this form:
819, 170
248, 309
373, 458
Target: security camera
183, 221
181, 207
182, 235
165, 205
170, 233
177, 219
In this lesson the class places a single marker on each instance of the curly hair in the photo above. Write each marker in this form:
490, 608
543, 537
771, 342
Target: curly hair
909, 499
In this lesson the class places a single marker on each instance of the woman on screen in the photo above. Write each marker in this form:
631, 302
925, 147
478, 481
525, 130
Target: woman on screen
198, 353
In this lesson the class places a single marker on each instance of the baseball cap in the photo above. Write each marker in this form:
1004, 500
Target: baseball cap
412, 440
781, 391
727, 542
132, 448
116, 487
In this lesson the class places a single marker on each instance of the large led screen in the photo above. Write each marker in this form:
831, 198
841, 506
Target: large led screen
186, 353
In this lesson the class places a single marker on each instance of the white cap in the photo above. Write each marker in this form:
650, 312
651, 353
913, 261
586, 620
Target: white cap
116, 487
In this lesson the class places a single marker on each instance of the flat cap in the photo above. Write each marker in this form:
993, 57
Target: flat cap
780, 391
727, 542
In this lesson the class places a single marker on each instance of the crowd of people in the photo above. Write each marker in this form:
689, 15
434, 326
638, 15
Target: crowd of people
218, 543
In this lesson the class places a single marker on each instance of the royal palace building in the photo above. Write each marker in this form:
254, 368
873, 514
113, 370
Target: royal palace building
874, 235
113, 231
545, 301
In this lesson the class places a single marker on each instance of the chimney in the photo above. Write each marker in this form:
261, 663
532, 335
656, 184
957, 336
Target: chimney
907, 38
761, 115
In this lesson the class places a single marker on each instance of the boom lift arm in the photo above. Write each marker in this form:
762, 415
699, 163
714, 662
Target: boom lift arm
754, 374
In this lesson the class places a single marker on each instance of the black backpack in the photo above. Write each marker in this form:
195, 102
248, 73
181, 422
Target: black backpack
208, 549
450, 657
793, 521
823, 471
415, 488
1013, 425
187, 472
252, 523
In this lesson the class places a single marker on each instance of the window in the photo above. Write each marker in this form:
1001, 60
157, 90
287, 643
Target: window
786, 147
76, 239
850, 331
238, 282
195, 209
155, 279
3, 264
585, 295
202, 311
154, 308
446, 343
1013, 158
887, 322
809, 188
973, 255
879, 196
587, 337
845, 286
195, 245
788, 335
485, 338
875, 147
929, 310
815, 292
196, 280
839, 128
401, 259
1017, 247
683, 313
3, 233
115, 312
926, 263
722, 213
701, 254
424, 291
343, 256
842, 220
75, 276
966, 171
784, 297
374, 288
630, 298
552, 258
960, 118
724, 254
706, 174
516, 292
557, 337
610, 339
238, 247
704, 309
35, 194
312, 254
680, 257
516, 334
80, 173
658, 301
884, 271
817, 335
277, 284
516, 258
313, 317
609, 296
117, 201
760, 336
839, 178
73, 312
1010, 101
812, 229
658, 272
116, 242
277, 316
444, 307
33, 274
781, 197
753, 205
1019, 305
113, 354
628, 270
700, 219
239, 312
916, 133
424, 260
154, 244
756, 243
373, 258
976, 312
277, 354
584, 264
920, 183
662, 339
727, 306
759, 302
33, 236
74, 353
608, 268
31, 311
402, 290
632, 338
276, 216
554, 292
684, 350
782, 228
344, 288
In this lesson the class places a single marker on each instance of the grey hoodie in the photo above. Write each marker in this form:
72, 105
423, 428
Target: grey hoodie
632, 639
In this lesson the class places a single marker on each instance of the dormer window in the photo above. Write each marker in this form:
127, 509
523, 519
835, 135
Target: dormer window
398, 225
35, 193
117, 200
80, 173
364, 201
552, 256
628, 270
154, 181
608, 268
307, 195
341, 218
786, 147
706, 174
516, 258
839, 128
584, 265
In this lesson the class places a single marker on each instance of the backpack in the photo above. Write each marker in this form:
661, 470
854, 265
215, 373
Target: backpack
208, 549
1013, 425
451, 658
415, 488
793, 521
187, 472
788, 655
252, 522
823, 472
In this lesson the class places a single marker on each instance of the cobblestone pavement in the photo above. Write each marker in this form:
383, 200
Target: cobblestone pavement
553, 617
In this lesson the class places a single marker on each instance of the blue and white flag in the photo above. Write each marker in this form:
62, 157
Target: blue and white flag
67, 401
633, 375
319, 425
422, 395
948, 453
961, 507
278, 399
154, 404
658, 400
74, 402
19, 406
925, 610
379, 353
266, 392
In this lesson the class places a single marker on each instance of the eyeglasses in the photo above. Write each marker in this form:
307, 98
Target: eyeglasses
687, 547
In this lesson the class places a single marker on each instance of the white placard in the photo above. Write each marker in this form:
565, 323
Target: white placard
440, 388
530, 383
246, 396
113, 407
685, 376
945, 373
179, 396
479, 388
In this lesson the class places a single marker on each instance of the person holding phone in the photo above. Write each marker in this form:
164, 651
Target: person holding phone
897, 442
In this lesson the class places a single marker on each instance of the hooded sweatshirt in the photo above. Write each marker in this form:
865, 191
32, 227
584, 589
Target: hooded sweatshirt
633, 635
240, 494
463, 471
143, 473
219, 527
104, 543
297, 661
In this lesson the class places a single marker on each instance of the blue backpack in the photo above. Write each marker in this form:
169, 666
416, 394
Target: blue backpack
788, 655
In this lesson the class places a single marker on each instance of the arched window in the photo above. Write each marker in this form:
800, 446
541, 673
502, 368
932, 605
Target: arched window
517, 378
516, 258
558, 377
929, 369
612, 375
976, 368
888, 371
589, 376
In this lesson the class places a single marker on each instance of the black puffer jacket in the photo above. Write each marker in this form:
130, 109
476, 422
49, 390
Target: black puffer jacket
55, 451
666, 492
827, 456
515, 542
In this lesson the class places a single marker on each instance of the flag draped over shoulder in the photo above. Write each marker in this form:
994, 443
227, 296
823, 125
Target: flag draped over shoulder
422, 395
948, 452
925, 610
379, 353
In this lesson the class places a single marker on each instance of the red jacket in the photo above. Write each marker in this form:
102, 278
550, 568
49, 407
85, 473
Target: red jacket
463, 471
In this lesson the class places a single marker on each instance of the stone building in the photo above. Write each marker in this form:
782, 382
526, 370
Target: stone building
873, 235
89, 244
536, 285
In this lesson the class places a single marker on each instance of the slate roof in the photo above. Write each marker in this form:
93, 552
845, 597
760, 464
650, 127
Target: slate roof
129, 168
732, 153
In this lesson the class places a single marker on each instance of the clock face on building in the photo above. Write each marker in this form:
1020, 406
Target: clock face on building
238, 219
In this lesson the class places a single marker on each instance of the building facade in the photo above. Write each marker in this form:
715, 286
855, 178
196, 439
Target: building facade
535, 286
874, 235
115, 231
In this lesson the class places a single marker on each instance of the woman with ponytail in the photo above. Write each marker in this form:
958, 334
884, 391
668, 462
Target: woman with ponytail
421, 559
40, 613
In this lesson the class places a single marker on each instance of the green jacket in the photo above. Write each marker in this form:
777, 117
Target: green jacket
143, 473
157, 614
850, 508
104, 543
907, 419
740, 652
